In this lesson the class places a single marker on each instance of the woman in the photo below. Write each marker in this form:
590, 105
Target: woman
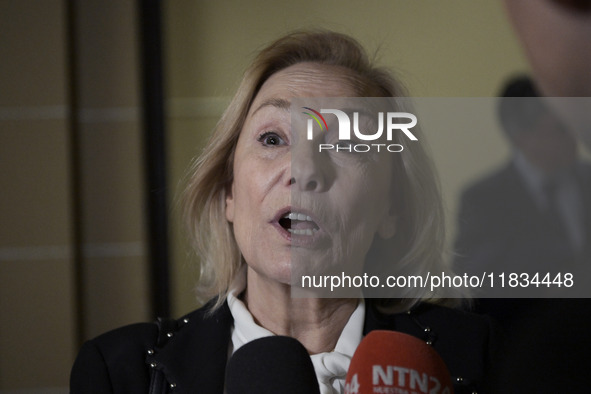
249, 192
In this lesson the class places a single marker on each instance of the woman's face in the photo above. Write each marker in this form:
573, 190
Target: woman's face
287, 201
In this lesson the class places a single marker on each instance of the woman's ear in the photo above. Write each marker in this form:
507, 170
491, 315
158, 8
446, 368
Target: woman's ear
230, 207
387, 227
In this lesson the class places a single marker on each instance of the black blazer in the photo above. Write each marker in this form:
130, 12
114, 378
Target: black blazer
194, 358
500, 228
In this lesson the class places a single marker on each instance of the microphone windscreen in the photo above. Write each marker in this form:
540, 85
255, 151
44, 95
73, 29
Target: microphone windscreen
393, 362
274, 364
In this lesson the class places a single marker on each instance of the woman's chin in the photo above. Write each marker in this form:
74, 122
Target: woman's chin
279, 273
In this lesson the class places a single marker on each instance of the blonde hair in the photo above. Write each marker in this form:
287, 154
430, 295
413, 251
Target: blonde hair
419, 239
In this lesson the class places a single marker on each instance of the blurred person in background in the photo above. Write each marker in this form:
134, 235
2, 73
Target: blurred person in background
543, 351
531, 215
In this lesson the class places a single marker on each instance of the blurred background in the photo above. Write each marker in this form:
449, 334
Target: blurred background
85, 87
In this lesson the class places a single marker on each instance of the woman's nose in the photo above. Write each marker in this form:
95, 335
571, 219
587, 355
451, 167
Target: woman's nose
310, 170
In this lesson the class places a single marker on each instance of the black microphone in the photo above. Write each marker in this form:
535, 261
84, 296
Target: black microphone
271, 365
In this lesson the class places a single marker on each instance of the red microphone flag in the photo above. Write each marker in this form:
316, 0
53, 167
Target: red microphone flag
389, 362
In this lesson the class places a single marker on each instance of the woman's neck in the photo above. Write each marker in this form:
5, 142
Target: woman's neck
316, 322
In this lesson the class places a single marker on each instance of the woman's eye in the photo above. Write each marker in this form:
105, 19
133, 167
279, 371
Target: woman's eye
271, 139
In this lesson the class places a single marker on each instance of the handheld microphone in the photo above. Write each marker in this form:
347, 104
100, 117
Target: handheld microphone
271, 365
392, 362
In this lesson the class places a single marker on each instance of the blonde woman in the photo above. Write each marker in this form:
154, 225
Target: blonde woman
241, 217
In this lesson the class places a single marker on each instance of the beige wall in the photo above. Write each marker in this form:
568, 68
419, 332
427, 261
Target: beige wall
115, 268
36, 288
38, 272
452, 48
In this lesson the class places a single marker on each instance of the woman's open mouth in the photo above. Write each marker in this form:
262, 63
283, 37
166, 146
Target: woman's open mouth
298, 224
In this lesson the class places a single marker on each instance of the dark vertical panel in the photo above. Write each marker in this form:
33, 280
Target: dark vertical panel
155, 152
75, 171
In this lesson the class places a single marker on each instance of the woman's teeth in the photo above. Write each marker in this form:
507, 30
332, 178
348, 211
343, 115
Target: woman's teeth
298, 216
300, 224
302, 232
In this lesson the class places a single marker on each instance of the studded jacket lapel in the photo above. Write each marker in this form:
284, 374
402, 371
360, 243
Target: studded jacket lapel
194, 359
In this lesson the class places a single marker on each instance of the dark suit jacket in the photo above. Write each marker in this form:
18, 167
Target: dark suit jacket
500, 228
195, 357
